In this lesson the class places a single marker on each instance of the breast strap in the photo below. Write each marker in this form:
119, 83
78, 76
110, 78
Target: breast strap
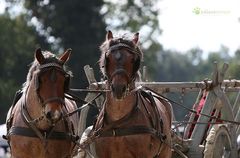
27, 132
133, 130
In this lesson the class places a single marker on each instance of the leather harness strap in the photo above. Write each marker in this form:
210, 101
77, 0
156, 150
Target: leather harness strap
34, 132
28, 120
158, 125
114, 129
134, 130
27, 132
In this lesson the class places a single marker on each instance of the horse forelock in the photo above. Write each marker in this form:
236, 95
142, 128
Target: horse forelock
49, 58
125, 39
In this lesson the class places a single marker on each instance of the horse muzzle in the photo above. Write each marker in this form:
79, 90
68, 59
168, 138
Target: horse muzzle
119, 91
52, 115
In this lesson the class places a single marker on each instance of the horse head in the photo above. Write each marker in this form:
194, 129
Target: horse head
120, 62
51, 82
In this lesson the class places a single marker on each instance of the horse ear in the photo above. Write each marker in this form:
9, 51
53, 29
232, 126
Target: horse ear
39, 56
109, 35
65, 56
135, 38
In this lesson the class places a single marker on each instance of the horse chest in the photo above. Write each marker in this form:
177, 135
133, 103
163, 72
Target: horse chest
32, 147
140, 146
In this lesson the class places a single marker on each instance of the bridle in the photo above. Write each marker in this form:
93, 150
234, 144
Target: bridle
43, 102
54, 67
130, 78
31, 122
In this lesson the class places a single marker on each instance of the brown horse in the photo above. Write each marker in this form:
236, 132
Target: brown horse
134, 122
36, 126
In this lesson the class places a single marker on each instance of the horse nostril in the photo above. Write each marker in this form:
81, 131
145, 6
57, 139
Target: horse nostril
119, 88
48, 115
53, 116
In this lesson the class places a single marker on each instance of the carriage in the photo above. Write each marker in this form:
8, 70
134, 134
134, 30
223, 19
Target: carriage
212, 127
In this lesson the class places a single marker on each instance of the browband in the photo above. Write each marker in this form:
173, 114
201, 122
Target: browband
116, 46
50, 65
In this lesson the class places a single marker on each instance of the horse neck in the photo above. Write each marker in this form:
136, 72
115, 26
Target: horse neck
34, 107
33, 104
117, 109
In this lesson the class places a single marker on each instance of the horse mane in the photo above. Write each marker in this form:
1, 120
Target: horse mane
124, 38
49, 58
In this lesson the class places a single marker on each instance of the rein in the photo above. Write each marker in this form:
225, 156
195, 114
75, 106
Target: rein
194, 111
76, 98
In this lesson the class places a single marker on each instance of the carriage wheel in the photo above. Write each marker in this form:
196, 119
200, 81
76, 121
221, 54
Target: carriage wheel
218, 143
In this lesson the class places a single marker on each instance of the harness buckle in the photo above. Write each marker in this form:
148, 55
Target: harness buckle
161, 136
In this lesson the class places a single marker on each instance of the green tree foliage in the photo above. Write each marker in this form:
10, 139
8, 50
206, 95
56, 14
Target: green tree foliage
235, 66
77, 25
132, 15
176, 64
137, 16
17, 45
